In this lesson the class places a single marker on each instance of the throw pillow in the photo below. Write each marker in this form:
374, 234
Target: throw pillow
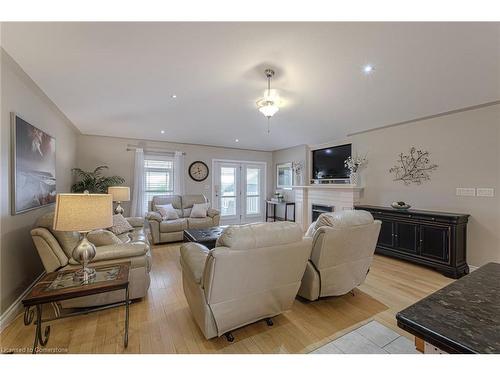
120, 225
103, 237
199, 210
167, 211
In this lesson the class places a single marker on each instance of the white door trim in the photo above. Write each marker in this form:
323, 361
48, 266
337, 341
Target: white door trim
263, 163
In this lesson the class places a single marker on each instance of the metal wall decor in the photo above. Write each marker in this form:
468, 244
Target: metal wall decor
414, 167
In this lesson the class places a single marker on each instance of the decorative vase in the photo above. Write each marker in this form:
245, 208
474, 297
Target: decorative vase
354, 178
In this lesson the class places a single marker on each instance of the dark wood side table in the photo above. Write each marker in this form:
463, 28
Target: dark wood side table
58, 286
274, 204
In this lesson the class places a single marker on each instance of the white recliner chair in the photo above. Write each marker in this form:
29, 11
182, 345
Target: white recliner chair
343, 244
253, 273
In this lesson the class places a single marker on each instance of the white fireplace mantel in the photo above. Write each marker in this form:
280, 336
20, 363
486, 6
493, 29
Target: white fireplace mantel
340, 196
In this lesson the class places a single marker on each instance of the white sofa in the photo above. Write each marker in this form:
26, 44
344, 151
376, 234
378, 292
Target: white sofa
253, 273
163, 230
343, 245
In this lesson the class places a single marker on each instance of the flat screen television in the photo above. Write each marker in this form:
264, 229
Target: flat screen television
328, 163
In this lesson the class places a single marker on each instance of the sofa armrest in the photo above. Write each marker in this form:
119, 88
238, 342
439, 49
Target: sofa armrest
136, 221
153, 215
193, 258
212, 212
120, 251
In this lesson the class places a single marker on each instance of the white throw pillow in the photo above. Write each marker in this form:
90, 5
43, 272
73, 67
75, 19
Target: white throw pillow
199, 210
103, 237
167, 211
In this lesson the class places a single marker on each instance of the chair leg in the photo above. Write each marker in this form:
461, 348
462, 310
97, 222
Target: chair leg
229, 336
269, 322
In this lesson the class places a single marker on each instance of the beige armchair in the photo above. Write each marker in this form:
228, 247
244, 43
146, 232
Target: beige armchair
55, 249
253, 273
163, 230
343, 245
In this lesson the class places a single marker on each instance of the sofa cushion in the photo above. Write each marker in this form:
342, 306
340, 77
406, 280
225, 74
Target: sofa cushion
258, 235
174, 200
199, 210
120, 225
67, 240
347, 218
178, 225
103, 237
167, 211
199, 223
189, 199
193, 258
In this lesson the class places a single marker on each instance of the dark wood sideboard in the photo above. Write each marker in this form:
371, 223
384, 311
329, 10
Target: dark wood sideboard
434, 239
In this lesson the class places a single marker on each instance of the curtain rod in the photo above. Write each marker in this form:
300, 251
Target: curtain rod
152, 149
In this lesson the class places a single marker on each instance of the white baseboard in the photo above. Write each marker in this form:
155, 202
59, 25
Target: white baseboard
472, 268
13, 311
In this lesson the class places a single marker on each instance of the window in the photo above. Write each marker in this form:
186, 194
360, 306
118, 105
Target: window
158, 177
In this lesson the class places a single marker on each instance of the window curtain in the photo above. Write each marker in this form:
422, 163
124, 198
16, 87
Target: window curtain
179, 173
137, 208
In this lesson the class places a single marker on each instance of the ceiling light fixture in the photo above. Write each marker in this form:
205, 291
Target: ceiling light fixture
162, 131
268, 105
174, 96
368, 69
236, 140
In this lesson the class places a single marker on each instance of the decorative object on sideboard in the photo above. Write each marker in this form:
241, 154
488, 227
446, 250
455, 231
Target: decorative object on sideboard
277, 197
269, 104
83, 213
94, 182
33, 167
298, 168
400, 205
414, 167
354, 164
120, 194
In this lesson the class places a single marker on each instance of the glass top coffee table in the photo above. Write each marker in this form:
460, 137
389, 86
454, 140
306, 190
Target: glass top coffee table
206, 236
58, 286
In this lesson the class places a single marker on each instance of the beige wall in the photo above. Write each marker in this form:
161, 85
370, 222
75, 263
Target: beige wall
465, 145
20, 264
98, 150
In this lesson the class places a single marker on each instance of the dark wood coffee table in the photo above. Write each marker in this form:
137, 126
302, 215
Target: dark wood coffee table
58, 286
207, 236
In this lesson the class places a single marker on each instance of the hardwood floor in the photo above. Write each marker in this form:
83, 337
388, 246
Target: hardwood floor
162, 323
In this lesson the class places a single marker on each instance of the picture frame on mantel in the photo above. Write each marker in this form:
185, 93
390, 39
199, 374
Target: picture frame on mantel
284, 176
33, 159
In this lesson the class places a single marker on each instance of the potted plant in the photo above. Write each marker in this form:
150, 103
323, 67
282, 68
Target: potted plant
94, 181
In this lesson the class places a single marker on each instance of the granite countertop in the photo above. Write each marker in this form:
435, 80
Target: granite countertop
463, 317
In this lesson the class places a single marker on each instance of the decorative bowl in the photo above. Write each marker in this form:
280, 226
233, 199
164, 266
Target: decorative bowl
399, 206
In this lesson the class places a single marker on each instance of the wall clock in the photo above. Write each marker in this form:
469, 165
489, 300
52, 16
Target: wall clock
198, 171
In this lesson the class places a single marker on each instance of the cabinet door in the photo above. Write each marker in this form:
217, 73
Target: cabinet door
406, 237
434, 242
386, 236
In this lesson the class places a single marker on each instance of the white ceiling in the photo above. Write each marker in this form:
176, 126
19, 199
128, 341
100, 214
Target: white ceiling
117, 79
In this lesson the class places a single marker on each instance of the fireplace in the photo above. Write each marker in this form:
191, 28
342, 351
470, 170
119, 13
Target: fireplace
317, 209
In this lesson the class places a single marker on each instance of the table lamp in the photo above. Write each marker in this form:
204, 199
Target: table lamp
120, 194
83, 213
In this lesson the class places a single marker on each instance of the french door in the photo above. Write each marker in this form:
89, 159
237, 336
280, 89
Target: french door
239, 191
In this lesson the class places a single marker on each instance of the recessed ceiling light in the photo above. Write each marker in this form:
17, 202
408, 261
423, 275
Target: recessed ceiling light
368, 69
162, 132
236, 140
174, 96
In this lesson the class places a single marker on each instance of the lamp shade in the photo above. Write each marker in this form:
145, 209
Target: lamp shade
83, 212
119, 193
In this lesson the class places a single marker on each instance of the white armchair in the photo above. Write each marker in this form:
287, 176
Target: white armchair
343, 245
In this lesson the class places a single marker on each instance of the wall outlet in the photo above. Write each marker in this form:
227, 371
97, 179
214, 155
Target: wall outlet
466, 192
485, 192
